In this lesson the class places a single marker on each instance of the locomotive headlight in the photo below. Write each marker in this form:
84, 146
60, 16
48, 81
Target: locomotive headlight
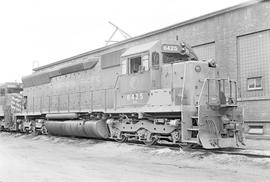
225, 119
198, 68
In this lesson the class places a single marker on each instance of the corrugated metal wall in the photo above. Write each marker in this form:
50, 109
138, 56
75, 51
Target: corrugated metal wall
254, 61
205, 51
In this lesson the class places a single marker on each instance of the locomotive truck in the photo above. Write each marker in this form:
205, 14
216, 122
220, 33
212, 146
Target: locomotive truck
158, 93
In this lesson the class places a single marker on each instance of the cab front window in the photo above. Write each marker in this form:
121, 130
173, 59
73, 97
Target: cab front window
173, 57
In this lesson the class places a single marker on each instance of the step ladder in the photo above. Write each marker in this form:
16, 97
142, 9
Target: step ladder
194, 129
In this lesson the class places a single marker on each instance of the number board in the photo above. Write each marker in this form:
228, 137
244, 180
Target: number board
170, 48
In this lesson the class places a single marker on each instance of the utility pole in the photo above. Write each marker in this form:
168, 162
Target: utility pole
123, 33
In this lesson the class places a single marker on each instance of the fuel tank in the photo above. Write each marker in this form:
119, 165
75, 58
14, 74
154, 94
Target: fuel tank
78, 128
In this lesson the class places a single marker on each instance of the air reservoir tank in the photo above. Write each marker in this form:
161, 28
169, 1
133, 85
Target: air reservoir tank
78, 128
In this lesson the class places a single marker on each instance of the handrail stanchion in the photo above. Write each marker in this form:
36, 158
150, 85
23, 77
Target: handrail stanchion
49, 104
33, 105
92, 101
219, 90
235, 92
40, 109
105, 99
230, 88
58, 103
208, 91
68, 103
80, 101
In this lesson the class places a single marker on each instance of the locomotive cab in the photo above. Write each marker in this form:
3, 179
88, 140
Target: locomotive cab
177, 98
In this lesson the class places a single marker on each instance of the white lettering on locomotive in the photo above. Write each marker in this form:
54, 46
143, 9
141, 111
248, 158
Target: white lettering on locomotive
170, 48
134, 97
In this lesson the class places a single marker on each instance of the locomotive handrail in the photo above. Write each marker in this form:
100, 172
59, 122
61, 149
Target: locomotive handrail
200, 96
91, 91
41, 98
207, 82
116, 81
57, 107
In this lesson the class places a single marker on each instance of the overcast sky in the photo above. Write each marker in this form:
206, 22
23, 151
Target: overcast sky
50, 30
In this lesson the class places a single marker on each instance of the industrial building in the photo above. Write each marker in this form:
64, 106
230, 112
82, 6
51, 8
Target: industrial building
237, 38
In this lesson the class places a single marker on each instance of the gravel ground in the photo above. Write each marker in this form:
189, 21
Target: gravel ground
53, 159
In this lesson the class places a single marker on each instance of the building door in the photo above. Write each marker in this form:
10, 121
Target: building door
254, 64
253, 56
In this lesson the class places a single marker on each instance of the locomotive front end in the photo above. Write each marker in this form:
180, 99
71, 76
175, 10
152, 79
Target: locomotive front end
220, 119
210, 115
165, 94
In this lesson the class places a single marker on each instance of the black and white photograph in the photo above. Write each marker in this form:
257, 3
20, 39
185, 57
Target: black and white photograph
135, 91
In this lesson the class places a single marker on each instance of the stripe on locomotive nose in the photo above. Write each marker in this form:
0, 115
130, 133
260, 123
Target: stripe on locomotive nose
16, 102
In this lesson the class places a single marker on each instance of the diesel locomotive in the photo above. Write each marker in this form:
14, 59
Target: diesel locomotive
158, 93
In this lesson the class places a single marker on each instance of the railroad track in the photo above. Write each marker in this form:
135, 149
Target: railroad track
236, 152
251, 155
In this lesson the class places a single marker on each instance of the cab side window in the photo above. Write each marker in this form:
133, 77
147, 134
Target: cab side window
135, 64
155, 60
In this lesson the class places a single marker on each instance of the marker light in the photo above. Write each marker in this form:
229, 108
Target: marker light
198, 68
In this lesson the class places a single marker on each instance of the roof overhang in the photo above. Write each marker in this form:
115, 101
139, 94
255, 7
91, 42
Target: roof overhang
139, 48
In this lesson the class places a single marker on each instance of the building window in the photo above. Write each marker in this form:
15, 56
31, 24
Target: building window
254, 83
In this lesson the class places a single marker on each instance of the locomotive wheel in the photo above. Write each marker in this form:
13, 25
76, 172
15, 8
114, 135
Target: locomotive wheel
37, 132
150, 141
122, 139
